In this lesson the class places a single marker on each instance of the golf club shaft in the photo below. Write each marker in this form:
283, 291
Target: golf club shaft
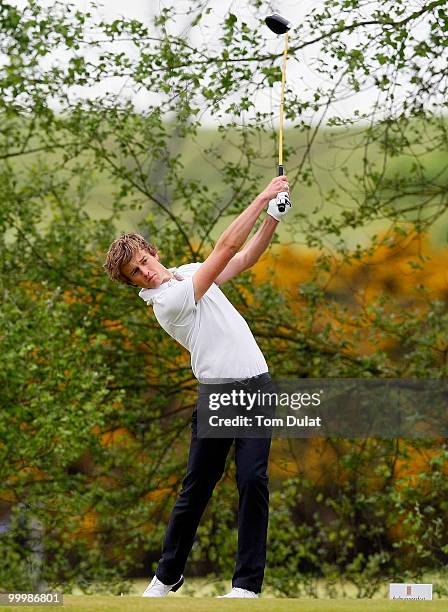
281, 170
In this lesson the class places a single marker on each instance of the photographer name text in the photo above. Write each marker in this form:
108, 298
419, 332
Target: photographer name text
262, 421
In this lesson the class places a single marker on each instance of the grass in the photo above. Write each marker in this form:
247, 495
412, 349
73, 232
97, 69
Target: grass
198, 595
202, 599
187, 604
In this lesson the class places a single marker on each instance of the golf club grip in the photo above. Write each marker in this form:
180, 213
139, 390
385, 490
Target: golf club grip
281, 170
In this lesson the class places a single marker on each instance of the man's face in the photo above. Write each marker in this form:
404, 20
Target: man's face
145, 270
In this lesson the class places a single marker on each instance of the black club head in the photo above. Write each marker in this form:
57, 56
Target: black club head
277, 23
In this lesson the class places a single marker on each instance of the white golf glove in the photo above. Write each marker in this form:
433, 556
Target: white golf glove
279, 206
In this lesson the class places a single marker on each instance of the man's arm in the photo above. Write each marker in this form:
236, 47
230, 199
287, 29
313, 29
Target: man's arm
251, 253
233, 238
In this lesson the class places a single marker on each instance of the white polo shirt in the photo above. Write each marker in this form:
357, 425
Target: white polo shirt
218, 338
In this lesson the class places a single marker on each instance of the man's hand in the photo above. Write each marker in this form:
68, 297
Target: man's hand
279, 202
277, 185
279, 206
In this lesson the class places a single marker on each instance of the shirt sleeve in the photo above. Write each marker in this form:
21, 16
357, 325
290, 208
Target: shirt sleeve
176, 305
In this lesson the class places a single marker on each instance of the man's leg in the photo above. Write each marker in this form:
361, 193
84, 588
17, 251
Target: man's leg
206, 462
251, 456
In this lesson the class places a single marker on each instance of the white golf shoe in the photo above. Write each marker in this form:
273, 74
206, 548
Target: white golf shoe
236, 592
157, 589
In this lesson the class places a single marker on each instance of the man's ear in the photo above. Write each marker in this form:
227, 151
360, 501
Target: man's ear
157, 256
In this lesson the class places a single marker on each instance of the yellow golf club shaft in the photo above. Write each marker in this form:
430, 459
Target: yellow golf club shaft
281, 170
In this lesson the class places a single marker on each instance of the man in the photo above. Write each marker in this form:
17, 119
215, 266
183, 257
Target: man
189, 306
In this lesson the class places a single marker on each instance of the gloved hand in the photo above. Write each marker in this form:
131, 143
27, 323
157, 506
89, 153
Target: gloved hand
279, 206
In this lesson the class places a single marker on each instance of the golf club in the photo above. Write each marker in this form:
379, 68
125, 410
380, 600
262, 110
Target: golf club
279, 25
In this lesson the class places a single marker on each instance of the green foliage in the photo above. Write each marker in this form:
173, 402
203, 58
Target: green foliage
95, 397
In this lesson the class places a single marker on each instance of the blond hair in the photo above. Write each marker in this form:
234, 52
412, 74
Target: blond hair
120, 253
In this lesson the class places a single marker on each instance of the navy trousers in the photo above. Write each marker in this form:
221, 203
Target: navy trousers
206, 462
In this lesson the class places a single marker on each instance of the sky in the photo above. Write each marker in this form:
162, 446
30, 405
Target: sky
300, 74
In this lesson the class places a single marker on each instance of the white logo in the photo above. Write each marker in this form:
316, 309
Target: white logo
399, 590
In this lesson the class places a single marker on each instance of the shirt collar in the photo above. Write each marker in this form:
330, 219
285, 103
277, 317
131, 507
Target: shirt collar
149, 294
